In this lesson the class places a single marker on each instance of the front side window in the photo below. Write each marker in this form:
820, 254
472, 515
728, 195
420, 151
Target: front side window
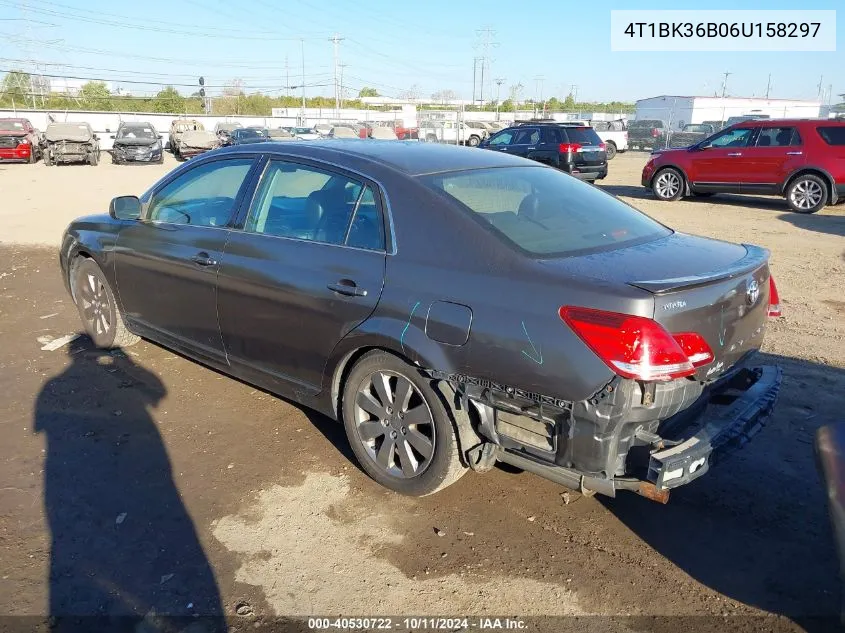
502, 138
544, 212
778, 137
738, 137
307, 203
203, 196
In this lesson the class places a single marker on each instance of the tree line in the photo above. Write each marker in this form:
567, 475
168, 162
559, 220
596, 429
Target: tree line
20, 90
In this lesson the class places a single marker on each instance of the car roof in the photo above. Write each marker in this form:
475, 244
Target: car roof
776, 122
411, 157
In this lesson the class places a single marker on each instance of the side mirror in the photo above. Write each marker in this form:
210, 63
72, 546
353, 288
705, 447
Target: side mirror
125, 208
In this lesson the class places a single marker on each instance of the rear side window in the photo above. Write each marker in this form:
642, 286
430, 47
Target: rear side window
583, 135
528, 136
544, 212
778, 137
833, 135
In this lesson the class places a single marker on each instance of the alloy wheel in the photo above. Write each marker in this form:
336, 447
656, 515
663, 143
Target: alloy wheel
394, 424
667, 184
806, 194
96, 309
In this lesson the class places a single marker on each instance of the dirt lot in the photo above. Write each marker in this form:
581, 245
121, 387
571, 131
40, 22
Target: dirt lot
143, 480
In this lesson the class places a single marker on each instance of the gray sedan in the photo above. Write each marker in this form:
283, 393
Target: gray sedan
452, 308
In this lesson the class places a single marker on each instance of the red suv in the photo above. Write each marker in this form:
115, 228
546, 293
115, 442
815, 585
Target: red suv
800, 159
18, 141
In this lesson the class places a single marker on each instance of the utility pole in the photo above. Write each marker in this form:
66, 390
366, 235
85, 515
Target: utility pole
768, 85
474, 80
486, 44
573, 90
342, 66
302, 116
725, 83
287, 77
538, 90
499, 82
336, 40
821, 79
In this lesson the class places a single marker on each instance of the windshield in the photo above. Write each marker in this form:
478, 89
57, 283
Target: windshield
145, 132
303, 130
249, 133
545, 212
12, 125
703, 129
642, 124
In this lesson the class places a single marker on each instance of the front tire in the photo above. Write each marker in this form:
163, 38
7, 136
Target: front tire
46, 157
97, 307
399, 427
473, 141
668, 184
807, 194
611, 150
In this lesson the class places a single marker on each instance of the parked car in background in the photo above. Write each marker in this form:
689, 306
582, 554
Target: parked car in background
70, 143
342, 131
575, 149
745, 117
189, 139
323, 129
613, 134
691, 134
452, 132
800, 159
19, 141
178, 127
614, 355
306, 133
647, 134
137, 143
280, 134
717, 126
223, 130
247, 135
383, 134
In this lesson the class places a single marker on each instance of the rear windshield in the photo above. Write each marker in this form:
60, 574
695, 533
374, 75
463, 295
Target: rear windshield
833, 135
644, 123
546, 213
582, 135
11, 125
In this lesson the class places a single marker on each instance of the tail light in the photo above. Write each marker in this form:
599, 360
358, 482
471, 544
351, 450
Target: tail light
774, 299
566, 148
655, 132
603, 146
637, 347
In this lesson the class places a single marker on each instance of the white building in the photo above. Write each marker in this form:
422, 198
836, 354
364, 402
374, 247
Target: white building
677, 111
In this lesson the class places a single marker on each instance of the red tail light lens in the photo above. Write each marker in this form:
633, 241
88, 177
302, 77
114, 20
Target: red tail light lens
695, 347
602, 146
655, 132
632, 346
774, 299
566, 148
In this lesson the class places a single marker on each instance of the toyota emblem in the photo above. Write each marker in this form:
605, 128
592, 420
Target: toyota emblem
752, 292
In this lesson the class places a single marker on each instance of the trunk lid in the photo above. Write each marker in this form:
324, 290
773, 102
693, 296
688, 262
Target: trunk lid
716, 289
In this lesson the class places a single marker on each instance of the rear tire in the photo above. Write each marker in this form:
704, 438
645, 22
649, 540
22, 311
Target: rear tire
93, 159
807, 193
47, 160
473, 141
611, 150
97, 306
409, 447
668, 184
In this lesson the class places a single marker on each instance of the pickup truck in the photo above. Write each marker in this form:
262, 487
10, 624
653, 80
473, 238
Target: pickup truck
691, 134
614, 134
435, 131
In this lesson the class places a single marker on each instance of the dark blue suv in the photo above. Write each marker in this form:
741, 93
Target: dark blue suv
577, 150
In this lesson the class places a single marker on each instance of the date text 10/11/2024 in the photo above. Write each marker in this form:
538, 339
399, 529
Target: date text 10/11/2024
416, 623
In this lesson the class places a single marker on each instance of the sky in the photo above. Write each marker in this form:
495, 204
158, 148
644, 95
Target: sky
396, 47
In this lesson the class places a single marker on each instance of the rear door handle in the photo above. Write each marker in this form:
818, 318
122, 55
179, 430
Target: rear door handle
202, 259
794, 153
347, 287
735, 154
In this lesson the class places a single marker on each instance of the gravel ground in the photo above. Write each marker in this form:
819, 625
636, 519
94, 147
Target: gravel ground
140, 480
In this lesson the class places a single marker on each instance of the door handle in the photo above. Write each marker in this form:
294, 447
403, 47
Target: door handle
794, 153
531, 148
347, 287
735, 154
202, 259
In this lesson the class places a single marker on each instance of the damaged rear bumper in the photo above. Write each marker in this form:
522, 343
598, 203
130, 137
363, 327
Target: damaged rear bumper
724, 418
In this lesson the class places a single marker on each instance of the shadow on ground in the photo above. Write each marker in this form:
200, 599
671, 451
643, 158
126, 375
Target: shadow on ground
818, 222
756, 528
122, 542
